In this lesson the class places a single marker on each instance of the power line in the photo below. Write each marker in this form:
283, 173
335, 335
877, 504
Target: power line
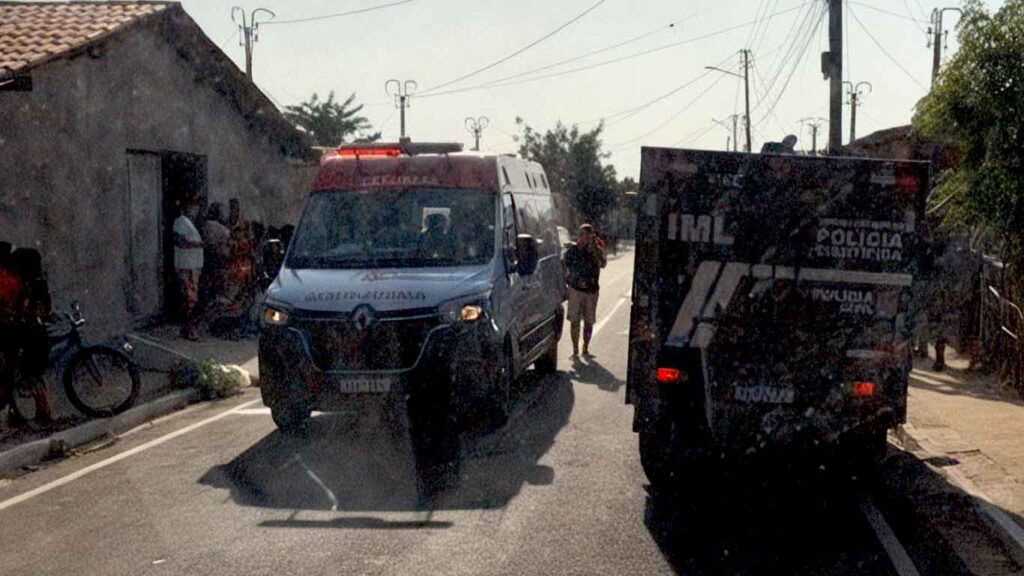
673, 117
921, 8
799, 59
695, 135
911, 14
230, 38
886, 52
779, 64
891, 13
519, 51
502, 82
339, 14
586, 54
796, 31
636, 109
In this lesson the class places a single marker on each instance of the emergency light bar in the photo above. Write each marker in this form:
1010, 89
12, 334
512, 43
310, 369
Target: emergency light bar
369, 151
392, 149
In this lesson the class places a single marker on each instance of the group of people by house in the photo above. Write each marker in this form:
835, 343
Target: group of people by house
25, 309
219, 261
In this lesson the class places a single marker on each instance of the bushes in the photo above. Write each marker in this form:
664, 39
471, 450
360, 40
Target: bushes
211, 379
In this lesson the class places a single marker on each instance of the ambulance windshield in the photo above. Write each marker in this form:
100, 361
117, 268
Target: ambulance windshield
395, 228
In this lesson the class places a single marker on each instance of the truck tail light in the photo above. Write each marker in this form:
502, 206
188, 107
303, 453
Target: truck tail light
670, 375
863, 388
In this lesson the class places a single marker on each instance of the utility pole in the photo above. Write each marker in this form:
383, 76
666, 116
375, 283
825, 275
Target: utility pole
249, 32
746, 89
855, 94
735, 140
476, 127
935, 37
832, 68
401, 91
815, 124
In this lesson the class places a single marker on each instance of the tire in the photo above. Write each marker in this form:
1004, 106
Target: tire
290, 419
500, 405
94, 368
659, 463
672, 456
865, 451
548, 363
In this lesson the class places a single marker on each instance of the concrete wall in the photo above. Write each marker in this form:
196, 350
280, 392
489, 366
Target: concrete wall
63, 162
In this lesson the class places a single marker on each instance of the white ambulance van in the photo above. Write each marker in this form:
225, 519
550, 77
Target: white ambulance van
419, 277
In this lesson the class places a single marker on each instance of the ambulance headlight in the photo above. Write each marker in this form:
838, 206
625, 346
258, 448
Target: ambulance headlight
465, 310
274, 315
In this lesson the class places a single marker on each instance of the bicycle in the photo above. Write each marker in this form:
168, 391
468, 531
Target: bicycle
100, 380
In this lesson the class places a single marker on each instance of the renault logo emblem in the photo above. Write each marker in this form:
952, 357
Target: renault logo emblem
362, 317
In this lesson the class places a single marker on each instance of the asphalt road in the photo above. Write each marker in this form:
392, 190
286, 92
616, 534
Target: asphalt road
559, 490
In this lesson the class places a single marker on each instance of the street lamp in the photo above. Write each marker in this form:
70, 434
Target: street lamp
746, 87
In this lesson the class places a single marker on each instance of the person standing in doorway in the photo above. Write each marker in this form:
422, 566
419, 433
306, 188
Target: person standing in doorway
216, 251
188, 264
240, 262
583, 262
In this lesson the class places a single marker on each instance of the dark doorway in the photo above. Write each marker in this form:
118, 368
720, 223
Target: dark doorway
184, 183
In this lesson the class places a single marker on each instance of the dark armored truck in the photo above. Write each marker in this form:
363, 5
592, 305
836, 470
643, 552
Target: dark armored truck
772, 304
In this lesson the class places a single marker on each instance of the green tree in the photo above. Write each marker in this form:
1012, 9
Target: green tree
977, 106
573, 162
331, 123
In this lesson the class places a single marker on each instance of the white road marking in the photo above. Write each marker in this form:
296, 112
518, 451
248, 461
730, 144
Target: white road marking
316, 479
604, 321
118, 457
897, 554
255, 411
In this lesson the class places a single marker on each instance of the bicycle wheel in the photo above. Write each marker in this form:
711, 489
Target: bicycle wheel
101, 382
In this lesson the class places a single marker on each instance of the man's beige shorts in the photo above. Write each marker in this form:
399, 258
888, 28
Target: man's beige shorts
582, 306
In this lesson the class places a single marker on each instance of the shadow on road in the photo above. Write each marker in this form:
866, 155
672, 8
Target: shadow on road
590, 371
347, 465
754, 519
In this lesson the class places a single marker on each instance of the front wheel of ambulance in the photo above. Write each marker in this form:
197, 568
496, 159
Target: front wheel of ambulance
548, 363
500, 403
290, 418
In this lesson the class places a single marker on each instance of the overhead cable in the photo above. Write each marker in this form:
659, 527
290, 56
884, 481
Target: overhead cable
503, 59
503, 82
336, 15
886, 52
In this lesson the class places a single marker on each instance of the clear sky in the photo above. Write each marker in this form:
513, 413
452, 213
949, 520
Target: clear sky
436, 41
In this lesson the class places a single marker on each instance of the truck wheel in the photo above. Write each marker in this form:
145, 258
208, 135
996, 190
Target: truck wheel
656, 457
290, 419
673, 455
866, 450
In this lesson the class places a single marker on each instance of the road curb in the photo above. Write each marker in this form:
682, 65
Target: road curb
14, 460
1008, 531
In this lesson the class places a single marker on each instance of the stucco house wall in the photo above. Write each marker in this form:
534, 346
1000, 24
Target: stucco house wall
64, 154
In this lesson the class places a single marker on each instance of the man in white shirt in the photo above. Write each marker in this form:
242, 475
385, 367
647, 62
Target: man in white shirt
188, 264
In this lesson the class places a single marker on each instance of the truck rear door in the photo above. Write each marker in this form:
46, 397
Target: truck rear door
782, 285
